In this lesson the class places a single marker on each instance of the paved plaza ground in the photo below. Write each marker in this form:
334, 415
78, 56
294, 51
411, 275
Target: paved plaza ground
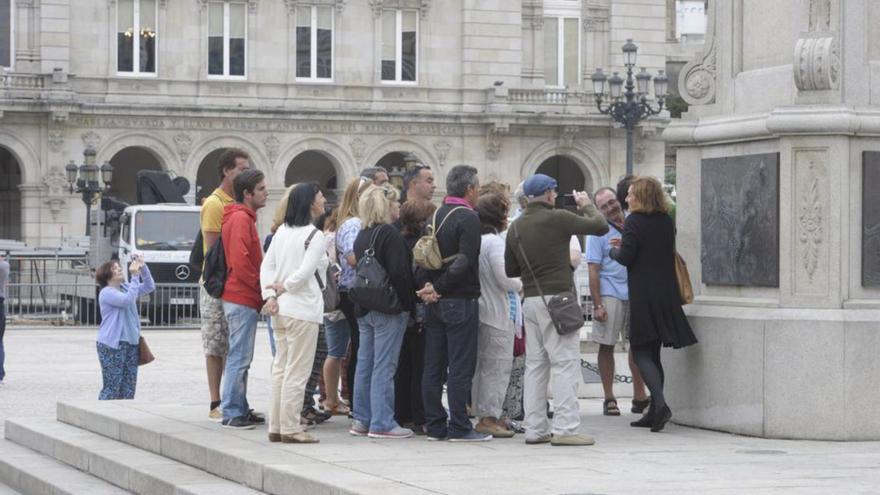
48, 365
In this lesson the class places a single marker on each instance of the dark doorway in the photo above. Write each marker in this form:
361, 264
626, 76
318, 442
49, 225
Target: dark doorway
10, 196
569, 176
126, 164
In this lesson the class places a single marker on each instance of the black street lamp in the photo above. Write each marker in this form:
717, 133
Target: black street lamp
84, 179
632, 106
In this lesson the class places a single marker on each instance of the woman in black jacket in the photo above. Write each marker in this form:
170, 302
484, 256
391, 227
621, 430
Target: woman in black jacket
381, 333
656, 318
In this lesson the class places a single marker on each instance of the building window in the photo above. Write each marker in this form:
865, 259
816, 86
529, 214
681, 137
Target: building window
314, 43
136, 36
227, 39
400, 45
562, 51
7, 23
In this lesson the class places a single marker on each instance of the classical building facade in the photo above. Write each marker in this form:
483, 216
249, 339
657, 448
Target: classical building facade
312, 89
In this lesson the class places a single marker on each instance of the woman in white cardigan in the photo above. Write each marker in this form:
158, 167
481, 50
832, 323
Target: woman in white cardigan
497, 320
289, 275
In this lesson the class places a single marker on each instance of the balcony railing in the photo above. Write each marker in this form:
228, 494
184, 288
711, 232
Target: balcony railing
23, 81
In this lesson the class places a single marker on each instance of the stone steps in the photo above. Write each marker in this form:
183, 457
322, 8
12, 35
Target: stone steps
244, 457
33, 473
117, 463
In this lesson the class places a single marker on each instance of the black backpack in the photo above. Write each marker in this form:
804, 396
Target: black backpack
215, 269
197, 254
372, 289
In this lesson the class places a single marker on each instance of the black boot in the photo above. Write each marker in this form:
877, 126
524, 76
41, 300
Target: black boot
646, 421
660, 419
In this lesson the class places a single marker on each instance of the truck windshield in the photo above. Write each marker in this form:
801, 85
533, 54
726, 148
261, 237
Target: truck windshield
166, 230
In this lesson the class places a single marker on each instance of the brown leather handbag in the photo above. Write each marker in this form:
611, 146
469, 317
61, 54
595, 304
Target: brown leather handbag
685, 290
145, 356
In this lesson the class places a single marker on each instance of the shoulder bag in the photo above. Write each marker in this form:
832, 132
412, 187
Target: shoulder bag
329, 292
565, 312
372, 289
426, 252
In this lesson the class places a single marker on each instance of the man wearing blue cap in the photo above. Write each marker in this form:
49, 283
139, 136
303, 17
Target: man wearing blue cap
542, 235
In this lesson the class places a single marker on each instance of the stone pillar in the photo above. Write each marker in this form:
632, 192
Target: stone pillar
31, 207
533, 43
774, 224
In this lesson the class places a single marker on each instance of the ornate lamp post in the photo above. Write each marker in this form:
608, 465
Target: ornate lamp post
84, 179
632, 106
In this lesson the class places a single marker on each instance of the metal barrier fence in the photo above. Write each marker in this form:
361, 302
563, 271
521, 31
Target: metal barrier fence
169, 306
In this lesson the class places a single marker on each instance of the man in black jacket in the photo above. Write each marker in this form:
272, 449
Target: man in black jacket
452, 317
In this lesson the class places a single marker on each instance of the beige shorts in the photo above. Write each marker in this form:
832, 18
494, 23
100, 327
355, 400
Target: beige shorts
215, 332
616, 326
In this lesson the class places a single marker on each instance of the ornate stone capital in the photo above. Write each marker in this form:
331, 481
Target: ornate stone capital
817, 62
493, 140
183, 143
358, 149
272, 145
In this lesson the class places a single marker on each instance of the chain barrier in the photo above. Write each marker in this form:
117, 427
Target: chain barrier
595, 369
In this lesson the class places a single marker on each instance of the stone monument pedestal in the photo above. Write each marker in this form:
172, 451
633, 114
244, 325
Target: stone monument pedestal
778, 216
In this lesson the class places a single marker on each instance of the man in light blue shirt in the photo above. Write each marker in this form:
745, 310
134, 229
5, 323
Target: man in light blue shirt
610, 295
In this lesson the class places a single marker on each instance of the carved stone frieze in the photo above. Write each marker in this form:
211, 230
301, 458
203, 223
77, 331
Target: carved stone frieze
91, 138
442, 148
358, 149
57, 191
817, 62
272, 145
183, 142
56, 140
493, 140
568, 134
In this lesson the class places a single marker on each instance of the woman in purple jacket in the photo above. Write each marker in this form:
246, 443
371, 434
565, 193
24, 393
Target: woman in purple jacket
120, 330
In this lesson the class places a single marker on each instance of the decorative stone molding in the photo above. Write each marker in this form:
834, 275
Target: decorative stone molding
697, 82
493, 140
820, 15
293, 4
272, 145
56, 140
91, 138
183, 143
56, 191
442, 148
533, 14
423, 6
568, 134
358, 149
596, 17
811, 181
252, 4
817, 62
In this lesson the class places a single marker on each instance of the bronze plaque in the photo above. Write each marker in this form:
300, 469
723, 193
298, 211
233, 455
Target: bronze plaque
740, 220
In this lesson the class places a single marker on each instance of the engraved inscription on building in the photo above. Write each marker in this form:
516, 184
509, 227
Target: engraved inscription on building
871, 219
740, 220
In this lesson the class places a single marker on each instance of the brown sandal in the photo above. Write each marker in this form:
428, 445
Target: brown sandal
609, 408
339, 410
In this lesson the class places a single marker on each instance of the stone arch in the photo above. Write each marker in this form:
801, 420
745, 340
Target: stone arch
342, 161
11, 174
403, 145
209, 144
593, 167
166, 157
127, 162
24, 154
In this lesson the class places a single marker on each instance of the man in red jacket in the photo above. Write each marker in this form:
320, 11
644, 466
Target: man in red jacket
242, 299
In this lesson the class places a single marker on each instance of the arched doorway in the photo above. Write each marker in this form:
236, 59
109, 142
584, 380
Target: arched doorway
126, 164
570, 177
314, 166
10, 196
393, 160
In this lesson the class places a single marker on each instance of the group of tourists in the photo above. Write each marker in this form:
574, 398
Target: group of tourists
379, 303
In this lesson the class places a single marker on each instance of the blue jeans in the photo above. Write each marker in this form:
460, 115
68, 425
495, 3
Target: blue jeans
271, 335
242, 321
337, 334
451, 327
381, 336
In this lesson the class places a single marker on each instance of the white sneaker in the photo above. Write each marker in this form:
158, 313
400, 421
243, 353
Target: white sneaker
358, 429
396, 432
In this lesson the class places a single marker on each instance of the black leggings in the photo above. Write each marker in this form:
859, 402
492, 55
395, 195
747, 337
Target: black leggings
647, 358
347, 308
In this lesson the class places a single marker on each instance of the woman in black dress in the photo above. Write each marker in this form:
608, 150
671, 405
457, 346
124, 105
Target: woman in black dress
647, 249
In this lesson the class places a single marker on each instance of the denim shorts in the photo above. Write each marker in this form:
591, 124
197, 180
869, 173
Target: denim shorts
337, 334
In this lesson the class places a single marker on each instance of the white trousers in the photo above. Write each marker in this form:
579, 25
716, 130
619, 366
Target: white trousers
295, 343
492, 373
552, 358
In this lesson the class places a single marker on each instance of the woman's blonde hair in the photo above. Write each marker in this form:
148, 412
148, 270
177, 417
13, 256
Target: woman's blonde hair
375, 205
281, 209
649, 196
349, 206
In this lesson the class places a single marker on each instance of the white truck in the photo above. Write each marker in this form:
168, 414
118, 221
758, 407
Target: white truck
164, 233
